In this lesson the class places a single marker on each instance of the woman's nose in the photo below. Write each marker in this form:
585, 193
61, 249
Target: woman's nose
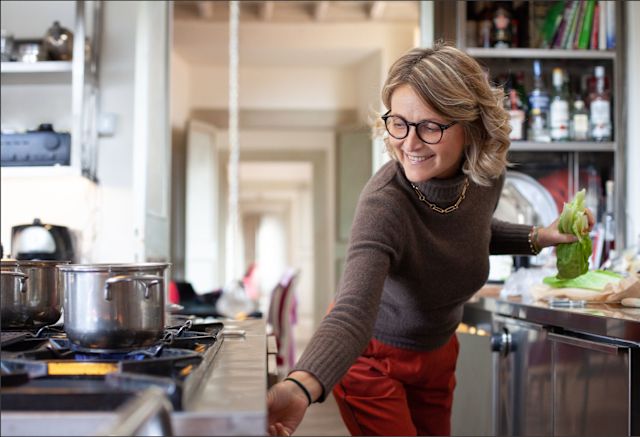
412, 142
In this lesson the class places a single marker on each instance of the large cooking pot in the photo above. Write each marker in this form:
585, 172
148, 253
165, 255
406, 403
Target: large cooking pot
30, 293
113, 307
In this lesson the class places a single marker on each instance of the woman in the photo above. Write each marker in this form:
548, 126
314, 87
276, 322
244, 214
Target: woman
419, 249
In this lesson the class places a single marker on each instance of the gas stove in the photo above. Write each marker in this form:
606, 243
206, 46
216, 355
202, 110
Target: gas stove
205, 379
42, 370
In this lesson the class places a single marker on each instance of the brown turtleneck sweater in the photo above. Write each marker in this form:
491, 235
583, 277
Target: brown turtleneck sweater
409, 269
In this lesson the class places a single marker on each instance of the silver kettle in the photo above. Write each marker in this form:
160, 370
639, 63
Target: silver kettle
58, 43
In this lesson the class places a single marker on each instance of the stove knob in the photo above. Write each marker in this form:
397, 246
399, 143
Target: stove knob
51, 142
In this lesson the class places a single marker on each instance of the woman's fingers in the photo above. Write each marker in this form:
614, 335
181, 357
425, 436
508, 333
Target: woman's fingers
278, 430
590, 218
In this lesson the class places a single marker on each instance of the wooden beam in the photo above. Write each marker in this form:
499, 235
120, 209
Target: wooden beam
321, 10
265, 10
205, 9
377, 9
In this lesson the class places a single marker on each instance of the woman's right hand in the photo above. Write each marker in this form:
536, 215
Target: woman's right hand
287, 404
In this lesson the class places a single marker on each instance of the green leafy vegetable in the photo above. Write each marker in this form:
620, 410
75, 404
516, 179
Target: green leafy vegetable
573, 258
593, 280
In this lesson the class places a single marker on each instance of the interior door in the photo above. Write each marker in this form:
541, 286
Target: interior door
202, 209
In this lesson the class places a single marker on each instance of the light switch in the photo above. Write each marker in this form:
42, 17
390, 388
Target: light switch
107, 123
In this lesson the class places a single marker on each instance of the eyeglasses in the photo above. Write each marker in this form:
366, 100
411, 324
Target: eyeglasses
428, 131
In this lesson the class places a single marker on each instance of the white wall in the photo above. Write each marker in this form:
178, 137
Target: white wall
274, 87
180, 91
632, 99
115, 154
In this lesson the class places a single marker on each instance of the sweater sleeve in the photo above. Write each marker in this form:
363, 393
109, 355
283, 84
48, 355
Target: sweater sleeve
509, 238
345, 332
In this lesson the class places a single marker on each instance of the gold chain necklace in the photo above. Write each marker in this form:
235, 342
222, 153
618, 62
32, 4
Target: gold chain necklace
435, 207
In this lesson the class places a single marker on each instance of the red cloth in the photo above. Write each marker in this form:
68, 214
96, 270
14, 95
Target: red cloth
393, 391
174, 294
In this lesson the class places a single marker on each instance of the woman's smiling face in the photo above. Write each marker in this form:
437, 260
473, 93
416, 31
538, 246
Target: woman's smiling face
422, 161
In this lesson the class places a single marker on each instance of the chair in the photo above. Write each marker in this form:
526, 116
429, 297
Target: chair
282, 317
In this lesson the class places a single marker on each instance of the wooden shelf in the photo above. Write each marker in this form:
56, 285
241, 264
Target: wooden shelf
36, 67
520, 53
568, 146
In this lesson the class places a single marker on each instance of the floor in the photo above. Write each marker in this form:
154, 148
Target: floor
321, 419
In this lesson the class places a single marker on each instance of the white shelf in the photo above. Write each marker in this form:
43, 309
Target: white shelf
38, 171
36, 67
568, 146
521, 53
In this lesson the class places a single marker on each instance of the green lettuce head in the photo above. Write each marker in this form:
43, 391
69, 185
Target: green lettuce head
573, 258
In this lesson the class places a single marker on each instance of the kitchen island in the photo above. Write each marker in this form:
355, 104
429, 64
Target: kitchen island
230, 401
552, 371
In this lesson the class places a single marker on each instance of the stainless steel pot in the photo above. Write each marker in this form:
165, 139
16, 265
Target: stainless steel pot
30, 293
113, 307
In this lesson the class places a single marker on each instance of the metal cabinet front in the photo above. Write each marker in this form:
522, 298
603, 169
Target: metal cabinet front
523, 389
592, 387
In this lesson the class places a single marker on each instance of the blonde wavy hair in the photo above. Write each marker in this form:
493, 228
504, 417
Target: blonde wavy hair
454, 85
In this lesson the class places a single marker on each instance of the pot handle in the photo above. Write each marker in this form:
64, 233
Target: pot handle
23, 279
147, 280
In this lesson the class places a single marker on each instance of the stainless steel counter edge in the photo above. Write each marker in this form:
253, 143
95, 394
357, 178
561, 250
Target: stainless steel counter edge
232, 401
589, 320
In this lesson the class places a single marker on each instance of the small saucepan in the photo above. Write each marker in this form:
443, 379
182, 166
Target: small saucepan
113, 307
30, 293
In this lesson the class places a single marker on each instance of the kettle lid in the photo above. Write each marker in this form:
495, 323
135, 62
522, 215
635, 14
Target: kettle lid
33, 238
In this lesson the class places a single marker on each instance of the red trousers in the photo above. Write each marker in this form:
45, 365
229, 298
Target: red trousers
393, 391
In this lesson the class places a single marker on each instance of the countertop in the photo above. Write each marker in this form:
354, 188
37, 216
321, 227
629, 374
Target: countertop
232, 400
607, 320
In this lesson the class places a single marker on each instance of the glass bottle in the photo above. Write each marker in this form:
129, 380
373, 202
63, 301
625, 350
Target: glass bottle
538, 107
501, 27
600, 108
484, 26
608, 250
516, 116
579, 127
559, 107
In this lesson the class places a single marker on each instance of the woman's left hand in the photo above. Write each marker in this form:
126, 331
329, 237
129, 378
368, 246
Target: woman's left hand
551, 236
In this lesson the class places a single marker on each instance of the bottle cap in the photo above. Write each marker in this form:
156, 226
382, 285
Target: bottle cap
557, 76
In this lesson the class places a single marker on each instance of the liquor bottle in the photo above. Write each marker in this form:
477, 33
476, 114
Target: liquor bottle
600, 108
484, 26
559, 107
516, 116
579, 127
538, 107
501, 27
608, 250
522, 93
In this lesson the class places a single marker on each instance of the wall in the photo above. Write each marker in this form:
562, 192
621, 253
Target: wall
115, 154
103, 214
632, 100
274, 87
99, 214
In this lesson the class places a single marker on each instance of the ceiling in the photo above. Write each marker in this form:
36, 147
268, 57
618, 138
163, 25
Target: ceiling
300, 10
201, 30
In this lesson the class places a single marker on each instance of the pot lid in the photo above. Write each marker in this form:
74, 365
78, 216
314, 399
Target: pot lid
118, 267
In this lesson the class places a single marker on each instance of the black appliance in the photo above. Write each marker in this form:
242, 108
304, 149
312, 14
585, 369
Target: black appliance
41, 147
39, 241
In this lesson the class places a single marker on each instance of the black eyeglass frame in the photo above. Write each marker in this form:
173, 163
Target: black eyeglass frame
443, 127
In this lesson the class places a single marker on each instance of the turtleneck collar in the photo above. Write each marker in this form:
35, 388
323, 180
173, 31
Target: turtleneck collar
438, 191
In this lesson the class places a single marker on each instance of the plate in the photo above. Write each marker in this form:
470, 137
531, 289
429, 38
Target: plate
524, 200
